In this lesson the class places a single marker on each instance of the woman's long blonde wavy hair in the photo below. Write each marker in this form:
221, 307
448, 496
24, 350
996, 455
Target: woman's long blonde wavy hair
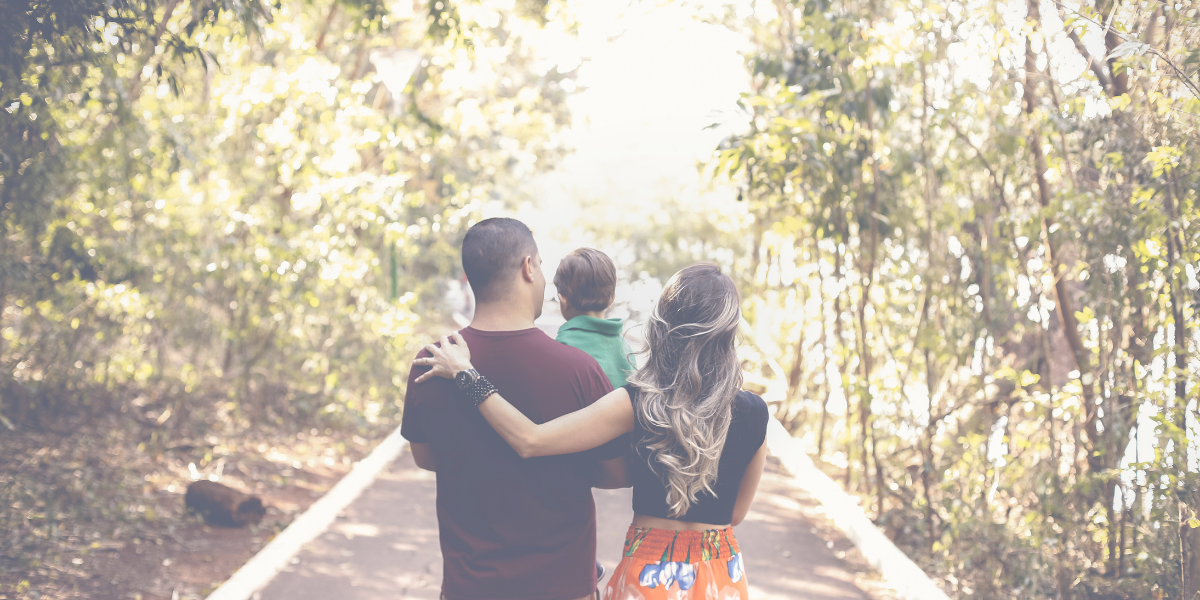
691, 377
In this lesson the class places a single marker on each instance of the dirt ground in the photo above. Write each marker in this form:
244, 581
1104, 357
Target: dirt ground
384, 545
94, 516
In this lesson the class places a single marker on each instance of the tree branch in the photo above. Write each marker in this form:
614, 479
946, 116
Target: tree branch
1096, 66
135, 87
1109, 31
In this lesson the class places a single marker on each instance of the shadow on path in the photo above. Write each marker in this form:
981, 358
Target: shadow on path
790, 550
385, 545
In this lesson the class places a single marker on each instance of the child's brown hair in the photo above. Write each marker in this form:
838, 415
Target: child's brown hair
587, 278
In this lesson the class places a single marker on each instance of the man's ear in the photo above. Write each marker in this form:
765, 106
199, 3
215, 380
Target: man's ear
527, 268
563, 302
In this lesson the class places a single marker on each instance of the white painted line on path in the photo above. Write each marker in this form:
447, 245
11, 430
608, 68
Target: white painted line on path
258, 572
899, 571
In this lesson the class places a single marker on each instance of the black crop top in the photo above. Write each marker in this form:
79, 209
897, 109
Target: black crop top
747, 430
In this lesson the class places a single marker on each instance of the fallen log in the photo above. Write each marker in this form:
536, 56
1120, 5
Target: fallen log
222, 505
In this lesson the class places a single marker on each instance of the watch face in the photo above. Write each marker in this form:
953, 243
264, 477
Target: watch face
466, 377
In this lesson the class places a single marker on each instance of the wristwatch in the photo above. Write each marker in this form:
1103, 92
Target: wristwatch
473, 386
467, 378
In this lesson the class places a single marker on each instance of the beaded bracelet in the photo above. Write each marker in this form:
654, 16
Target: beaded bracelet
478, 391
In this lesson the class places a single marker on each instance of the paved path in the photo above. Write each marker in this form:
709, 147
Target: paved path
385, 545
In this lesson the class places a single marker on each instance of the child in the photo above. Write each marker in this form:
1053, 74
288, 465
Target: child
587, 284
587, 280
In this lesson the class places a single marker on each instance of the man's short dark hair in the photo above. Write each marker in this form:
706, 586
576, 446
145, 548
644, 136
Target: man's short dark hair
492, 252
587, 278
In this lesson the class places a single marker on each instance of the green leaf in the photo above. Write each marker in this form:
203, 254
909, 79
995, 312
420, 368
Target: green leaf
1028, 378
1130, 48
1164, 158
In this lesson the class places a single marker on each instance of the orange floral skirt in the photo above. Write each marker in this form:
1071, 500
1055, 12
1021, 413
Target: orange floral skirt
661, 564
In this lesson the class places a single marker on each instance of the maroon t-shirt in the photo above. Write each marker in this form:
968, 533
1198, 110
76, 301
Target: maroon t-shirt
512, 528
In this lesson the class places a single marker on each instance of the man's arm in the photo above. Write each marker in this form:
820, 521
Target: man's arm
423, 456
612, 474
411, 426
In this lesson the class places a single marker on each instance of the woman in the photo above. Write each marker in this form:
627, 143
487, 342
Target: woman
698, 440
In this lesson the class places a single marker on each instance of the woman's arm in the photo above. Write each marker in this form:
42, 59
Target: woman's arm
592, 426
584, 429
749, 486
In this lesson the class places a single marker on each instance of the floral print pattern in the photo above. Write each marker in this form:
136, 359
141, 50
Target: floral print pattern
665, 574
661, 564
735, 568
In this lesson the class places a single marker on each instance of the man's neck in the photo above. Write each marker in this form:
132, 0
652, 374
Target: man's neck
501, 317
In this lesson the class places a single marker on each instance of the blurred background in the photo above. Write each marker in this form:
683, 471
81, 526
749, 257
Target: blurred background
965, 232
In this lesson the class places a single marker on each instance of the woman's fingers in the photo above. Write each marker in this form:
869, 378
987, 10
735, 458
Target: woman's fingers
459, 352
427, 374
442, 358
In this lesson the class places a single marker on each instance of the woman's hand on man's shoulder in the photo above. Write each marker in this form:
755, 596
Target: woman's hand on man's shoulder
446, 357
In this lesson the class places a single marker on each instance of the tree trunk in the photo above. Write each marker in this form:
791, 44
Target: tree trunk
360, 59
926, 440
837, 334
872, 217
1177, 296
797, 367
1112, 39
333, 10
1192, 558
826, 352
1188, 554
1123, 525
1063, 303
790, 412
864, 387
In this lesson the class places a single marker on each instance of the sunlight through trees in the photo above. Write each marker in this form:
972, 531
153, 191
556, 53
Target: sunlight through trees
965, 233
975, 230
227, 216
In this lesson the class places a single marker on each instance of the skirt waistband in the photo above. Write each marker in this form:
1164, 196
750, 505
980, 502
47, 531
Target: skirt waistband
666, 545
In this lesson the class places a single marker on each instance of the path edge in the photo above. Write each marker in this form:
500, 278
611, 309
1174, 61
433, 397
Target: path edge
898, 570
268, 562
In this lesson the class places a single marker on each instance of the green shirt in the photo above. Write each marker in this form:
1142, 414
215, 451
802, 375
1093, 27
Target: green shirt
600, 338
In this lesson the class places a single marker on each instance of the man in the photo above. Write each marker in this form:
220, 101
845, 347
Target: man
511, 529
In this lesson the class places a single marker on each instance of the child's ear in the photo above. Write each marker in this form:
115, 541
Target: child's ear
563, 302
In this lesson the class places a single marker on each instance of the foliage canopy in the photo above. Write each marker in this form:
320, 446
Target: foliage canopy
977, 223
